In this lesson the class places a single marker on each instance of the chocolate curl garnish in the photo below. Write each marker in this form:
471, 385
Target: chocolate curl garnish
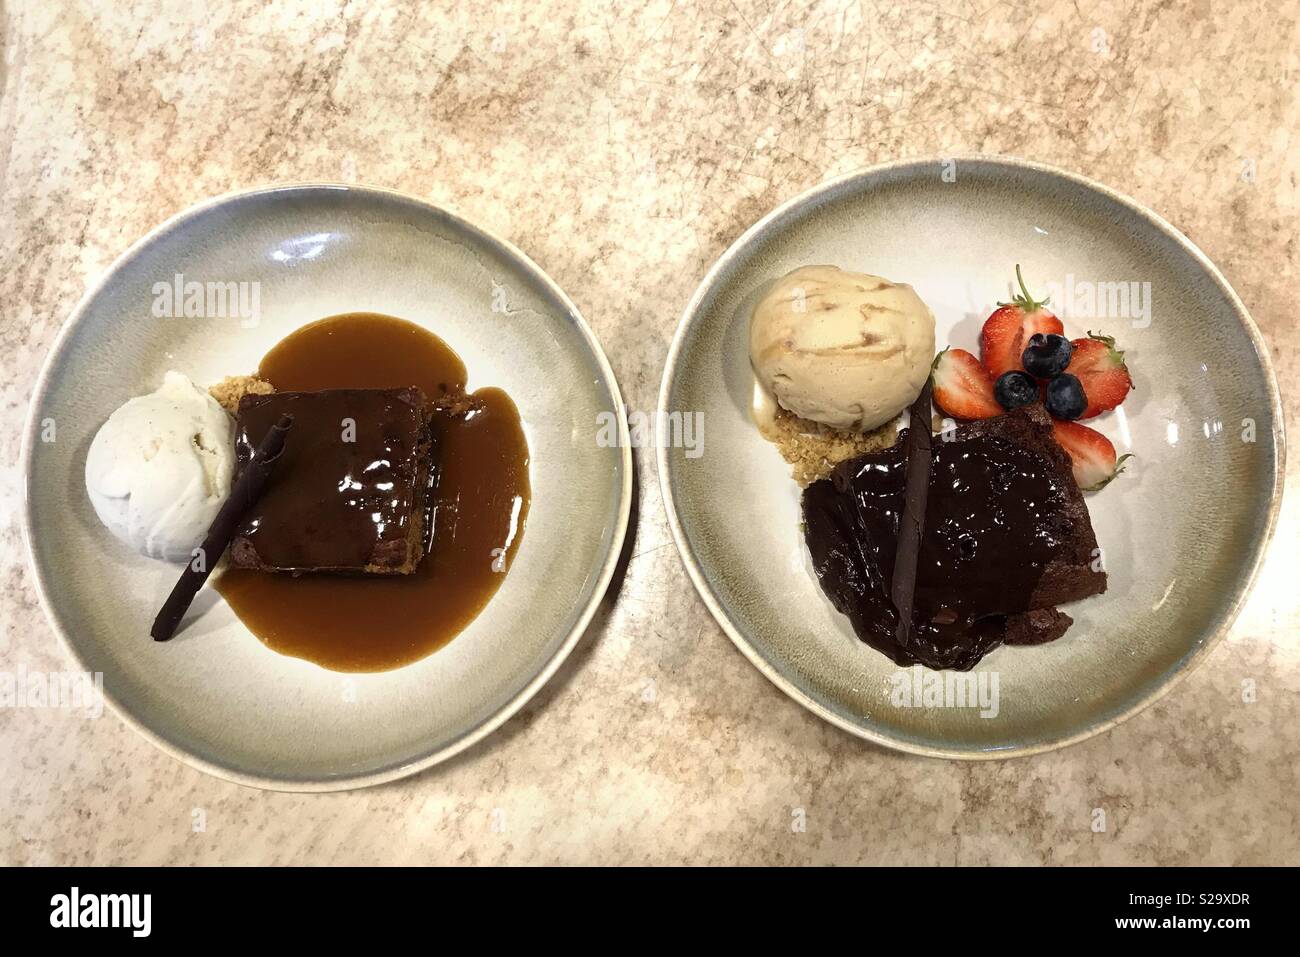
911, 524
247, 488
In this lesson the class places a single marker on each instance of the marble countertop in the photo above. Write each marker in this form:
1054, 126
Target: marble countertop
624, 152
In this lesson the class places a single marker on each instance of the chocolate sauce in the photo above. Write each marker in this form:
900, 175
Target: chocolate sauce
998, 513
479, 505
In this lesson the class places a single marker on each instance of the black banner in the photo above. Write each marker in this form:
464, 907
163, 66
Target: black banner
333, 905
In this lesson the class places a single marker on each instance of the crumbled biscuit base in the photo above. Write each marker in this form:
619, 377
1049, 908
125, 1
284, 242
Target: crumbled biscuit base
813, 450
232, 388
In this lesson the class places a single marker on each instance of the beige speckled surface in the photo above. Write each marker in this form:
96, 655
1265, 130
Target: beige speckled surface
624, 152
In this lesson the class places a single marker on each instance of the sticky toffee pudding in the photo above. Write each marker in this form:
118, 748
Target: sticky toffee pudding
475, 469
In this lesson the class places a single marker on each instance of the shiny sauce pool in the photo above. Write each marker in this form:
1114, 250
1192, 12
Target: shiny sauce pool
479, 508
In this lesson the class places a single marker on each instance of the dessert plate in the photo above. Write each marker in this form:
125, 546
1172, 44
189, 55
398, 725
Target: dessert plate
1182, 531
215, 696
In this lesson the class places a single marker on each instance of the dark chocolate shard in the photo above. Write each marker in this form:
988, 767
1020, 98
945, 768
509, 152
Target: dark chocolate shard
243, 495
911, 524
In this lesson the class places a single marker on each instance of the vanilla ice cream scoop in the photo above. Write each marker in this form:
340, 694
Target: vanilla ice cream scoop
845, 349
160, 468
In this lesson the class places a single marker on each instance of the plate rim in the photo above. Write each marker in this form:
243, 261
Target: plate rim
865, 174
492, 722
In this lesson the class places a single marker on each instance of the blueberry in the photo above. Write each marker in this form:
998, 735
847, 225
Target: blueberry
1065, 397
1047, 355
1014, 389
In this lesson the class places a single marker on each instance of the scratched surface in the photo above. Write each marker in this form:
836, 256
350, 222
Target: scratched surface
624, 152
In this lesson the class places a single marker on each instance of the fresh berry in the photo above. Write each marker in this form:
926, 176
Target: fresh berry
1008, 330
1014, 389
1092, 456
1046, 355
1100, 367
962, 388
1065, 397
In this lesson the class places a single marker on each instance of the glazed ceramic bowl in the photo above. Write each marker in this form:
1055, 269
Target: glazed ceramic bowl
215, 696
1182, 530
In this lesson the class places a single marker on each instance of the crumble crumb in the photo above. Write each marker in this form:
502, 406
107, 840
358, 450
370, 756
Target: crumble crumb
232, 388
813, 450
457, 403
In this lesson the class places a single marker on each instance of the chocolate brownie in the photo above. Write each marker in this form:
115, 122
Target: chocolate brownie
1006, 536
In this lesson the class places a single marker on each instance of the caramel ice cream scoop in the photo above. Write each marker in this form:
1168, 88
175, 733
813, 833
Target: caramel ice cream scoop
846, 349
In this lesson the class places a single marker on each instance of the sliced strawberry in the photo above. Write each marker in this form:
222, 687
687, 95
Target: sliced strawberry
1101, 370
1007, 330
962, 388
1091, 454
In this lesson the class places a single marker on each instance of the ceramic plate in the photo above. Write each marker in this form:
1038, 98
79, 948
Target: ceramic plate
216, 697
1181, 531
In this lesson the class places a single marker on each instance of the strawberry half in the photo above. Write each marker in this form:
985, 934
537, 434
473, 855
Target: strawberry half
1007, 331
962, 388
1101, 370
1092, 455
